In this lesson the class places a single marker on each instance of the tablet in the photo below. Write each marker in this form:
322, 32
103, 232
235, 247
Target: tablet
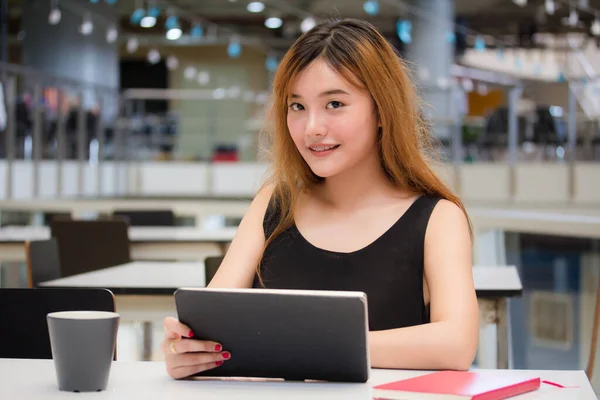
282, 334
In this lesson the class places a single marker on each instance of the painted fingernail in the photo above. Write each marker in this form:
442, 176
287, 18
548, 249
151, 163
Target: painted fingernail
226, 355
218, 347
219, 363
191, 334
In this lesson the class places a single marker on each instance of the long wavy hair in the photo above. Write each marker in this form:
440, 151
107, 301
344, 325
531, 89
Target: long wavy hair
360, 54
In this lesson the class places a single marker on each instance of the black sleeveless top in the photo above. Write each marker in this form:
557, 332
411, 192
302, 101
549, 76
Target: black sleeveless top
389, 270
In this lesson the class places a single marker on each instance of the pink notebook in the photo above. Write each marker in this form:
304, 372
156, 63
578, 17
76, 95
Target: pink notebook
456, 385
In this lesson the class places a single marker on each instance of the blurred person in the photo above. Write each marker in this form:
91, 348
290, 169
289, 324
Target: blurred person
352, 204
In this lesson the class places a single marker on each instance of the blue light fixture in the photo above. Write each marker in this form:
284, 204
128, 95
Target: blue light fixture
197, 30
451, 37
137, 16
271, 64
150, 19
371, 7
171, 22
479, 44
173, 29
234, 49
110, 1
562, 77
153, 11
403, 29
500, 53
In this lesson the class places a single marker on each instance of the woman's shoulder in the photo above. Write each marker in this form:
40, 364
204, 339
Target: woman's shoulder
445, 209
447, 218
272, 213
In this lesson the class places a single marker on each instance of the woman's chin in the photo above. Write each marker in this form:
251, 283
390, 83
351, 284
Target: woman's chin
324, 172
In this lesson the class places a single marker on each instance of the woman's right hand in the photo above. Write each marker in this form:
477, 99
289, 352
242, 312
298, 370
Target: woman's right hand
186, 357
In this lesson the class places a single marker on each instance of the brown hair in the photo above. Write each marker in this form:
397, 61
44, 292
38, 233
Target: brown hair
357, 51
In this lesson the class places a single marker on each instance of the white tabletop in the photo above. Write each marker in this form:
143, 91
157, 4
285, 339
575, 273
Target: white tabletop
149, 277
139, 277
500, 278
36, 379
136, 234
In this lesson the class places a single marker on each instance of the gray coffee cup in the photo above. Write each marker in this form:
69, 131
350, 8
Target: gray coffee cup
83, 346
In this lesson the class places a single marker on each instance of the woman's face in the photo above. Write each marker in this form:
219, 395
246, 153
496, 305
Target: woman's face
332, 123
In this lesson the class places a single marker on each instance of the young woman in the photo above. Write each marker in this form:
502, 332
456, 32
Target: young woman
353, 205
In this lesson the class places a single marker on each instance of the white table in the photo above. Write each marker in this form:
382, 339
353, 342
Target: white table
36, 379
146, 242
149, 278
143, 292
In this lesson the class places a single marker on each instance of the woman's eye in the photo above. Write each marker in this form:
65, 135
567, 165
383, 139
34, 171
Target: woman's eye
296, 107
334, 104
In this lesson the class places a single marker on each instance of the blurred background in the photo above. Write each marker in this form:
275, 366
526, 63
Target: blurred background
160, 104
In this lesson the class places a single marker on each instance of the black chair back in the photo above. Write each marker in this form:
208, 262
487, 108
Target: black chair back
86, 246
43, 261
147, 217
211, 265
23, 311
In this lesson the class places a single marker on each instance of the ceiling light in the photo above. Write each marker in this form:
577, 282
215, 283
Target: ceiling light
520, 3
148, 21
467, 85
482, 89
197, 30
86, 27
234, 48
595, 28
189, 73
307, 24
273, 22
174, 34
271, 64
153, 56
112, 34
255, 6
54, 16
371, 7
219, 93
137, 15
172, 63
173, 29
573, 18
550, 7
203, 78
132, 45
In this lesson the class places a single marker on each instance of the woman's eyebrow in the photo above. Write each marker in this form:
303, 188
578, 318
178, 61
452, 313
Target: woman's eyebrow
325, 93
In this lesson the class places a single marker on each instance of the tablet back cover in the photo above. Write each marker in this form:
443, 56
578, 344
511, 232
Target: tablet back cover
281, 334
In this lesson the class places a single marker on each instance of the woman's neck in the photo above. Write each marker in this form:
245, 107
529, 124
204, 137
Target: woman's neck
362, 186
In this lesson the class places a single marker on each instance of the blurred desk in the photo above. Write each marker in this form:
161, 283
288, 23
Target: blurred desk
144, 292
177, 243
193, 206
36, 379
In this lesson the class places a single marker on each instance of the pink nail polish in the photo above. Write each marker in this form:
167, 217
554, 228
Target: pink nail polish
218, 347
191, 334
219, 363
226, 355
